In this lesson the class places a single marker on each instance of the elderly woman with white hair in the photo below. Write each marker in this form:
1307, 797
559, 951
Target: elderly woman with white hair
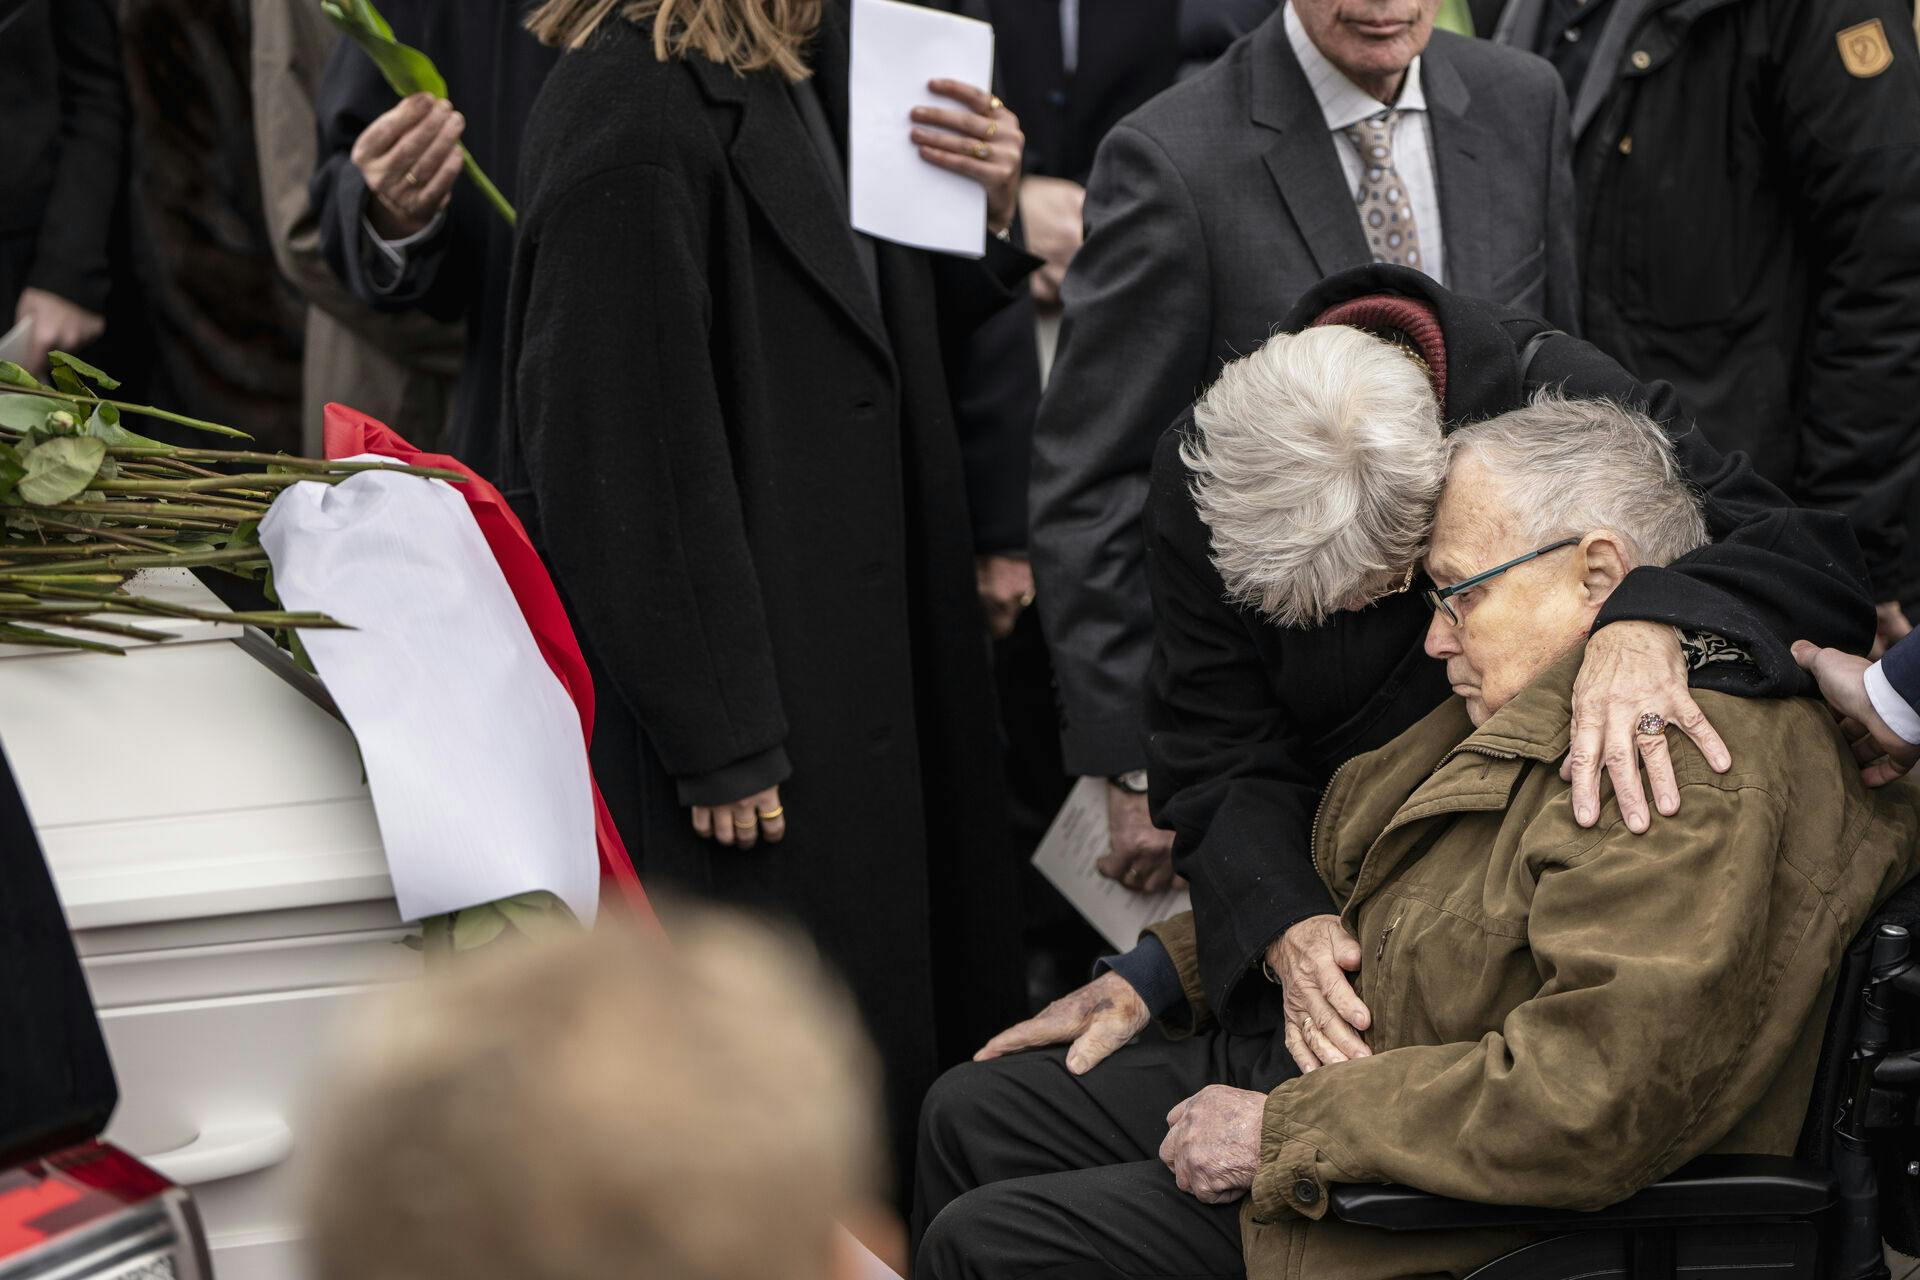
1503, 940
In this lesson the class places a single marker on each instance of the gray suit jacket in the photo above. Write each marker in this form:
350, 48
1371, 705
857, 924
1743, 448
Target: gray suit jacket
1209, 212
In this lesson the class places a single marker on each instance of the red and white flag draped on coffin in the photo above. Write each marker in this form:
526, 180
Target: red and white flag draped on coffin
462, 679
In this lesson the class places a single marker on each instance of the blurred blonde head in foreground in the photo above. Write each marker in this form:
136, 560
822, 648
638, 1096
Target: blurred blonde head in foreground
603, 1106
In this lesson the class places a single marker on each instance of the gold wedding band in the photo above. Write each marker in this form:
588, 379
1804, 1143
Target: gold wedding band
993, 127
993, 103
982, 151
768, 815
411, 180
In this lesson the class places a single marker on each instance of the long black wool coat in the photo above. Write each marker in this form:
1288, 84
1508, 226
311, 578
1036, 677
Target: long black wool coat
744, 472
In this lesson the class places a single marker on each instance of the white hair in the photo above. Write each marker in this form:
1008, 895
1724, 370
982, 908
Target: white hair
1316, 466
1571, 467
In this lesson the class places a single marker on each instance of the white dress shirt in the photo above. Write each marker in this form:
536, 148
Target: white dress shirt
1345, 104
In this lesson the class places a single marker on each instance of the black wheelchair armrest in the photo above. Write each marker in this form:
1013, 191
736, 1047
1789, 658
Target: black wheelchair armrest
1712, 1187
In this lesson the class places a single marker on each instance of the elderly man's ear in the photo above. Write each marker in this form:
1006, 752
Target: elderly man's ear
1602, 560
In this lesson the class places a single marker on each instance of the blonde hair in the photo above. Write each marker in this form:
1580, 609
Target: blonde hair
602, 1106
1316, 466
743, 35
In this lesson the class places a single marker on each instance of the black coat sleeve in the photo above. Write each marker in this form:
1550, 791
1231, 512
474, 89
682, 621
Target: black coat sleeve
629, 460
1775, 573
1850, 147
70, 256
1236, 786
351, 96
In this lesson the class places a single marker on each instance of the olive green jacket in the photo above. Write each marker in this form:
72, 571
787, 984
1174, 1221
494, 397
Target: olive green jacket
1562, 1015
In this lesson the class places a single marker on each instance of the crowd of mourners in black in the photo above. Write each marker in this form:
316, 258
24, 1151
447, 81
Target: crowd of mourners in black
875, 552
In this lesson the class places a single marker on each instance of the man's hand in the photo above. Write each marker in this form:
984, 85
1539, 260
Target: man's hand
1890, 627
410, 157
1005, 584
1213, 1143
983, 142
1051, 217
1098, 1018
742, 823
1633, 669
1883, 754
1324, 1014
1139, 855
58, 325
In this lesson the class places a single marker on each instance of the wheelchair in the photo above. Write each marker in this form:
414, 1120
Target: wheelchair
1819, 1214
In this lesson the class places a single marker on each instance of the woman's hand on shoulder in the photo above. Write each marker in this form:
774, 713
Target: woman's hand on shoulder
981, 141
745, 822
1633, 685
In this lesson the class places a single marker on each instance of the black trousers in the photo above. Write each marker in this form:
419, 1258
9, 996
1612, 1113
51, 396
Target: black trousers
1028, 1172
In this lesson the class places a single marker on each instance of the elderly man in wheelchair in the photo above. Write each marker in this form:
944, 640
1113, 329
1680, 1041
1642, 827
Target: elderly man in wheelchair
1591, 1053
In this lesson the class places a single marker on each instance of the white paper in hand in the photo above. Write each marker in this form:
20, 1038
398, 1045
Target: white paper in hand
1068, 855
472, 748
895, 195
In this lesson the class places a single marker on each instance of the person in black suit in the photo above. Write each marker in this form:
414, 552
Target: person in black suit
398, 224
730, 413
63, 168
1210, 211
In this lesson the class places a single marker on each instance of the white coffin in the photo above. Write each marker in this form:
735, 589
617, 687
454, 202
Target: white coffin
214, 845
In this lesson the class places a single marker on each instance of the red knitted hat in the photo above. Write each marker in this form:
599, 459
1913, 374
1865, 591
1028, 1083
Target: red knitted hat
1399, 319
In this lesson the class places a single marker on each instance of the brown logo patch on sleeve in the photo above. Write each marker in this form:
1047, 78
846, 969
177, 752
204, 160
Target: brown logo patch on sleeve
1864, 49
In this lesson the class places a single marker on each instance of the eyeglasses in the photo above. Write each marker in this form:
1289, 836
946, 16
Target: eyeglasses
1439, 597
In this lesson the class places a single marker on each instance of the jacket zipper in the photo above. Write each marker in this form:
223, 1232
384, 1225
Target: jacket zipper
1387, 932
1313, 835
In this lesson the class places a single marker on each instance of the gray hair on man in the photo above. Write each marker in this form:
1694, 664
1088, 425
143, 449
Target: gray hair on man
1574, 466
1316, 466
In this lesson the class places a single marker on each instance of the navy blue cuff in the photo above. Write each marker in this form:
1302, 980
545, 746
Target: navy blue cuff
1149, 970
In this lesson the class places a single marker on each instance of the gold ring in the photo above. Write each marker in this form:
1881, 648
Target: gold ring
411, 180
768, 815
993, 103
982, 151
748, 823
993, 127
1026, 599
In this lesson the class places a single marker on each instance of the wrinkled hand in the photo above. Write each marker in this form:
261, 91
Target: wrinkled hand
1325, 1016
1890, 627
1632, 668
410, 157
1051, 216
1883, 754
1098, 1018
58, 325
1213, 1143
983, 142
740, 824
1005, 584
1139, 855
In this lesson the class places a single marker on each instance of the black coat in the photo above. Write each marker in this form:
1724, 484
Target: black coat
1750, 232
63, 167
745, 475
1249, 719
494, 70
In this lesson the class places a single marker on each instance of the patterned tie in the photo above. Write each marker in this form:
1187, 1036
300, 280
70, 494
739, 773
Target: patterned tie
1385, 210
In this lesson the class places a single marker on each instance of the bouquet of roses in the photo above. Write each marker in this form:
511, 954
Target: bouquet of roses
86, 503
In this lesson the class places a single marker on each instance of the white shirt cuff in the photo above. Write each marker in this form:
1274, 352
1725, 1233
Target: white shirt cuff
1894, 709
394, 252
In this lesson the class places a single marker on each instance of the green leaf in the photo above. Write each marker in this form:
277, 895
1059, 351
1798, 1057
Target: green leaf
407, 70
24, 413
11, 471
244, 535
477, 926
59, 469
69, 381
81, 367
105, 425
13, 375
538, 914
